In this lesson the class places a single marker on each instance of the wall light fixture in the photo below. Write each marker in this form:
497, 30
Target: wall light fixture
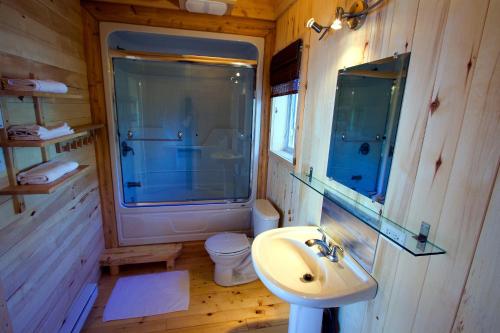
353, 19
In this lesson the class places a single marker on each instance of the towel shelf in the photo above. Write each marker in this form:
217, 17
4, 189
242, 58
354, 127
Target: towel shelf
79, 132
83, 135
44, 188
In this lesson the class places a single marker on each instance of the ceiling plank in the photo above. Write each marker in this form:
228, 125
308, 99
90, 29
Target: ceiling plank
281, 6
109, 12
257, 9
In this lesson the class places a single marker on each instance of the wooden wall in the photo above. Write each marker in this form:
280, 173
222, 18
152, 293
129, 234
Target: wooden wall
445, 164
281, 191
51, 250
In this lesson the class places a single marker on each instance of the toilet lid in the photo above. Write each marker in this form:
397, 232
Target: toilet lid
227, 242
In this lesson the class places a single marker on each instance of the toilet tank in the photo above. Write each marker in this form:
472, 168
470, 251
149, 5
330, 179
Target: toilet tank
264, 217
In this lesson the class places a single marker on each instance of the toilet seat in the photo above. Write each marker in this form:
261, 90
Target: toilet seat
228, 244
232, 254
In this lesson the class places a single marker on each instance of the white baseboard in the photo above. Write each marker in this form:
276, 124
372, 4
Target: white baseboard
80, 309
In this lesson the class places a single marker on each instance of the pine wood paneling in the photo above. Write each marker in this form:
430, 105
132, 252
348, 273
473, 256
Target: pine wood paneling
281, 190
474, 168
102, 11
482, 288
265, 117
483, 283
291, 25
50, 251
281, 6
446, 157
257, 9
5, 323
97, 101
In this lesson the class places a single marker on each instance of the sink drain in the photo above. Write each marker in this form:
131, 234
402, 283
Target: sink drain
307, 278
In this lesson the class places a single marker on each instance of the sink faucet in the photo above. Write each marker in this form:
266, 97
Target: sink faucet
327, 249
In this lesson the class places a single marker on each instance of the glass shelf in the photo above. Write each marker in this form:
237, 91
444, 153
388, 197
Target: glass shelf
391, 230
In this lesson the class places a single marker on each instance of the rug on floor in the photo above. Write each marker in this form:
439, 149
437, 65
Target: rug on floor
148, 295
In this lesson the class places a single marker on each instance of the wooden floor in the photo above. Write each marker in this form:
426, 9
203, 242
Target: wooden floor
245, 308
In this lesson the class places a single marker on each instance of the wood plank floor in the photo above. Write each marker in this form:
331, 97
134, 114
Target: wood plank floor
245, 308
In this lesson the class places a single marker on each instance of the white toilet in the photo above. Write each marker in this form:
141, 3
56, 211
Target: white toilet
231, 251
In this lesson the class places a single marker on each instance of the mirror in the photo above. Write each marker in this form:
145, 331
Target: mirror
365, 123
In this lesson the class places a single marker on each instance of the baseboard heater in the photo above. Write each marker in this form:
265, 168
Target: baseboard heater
80, 309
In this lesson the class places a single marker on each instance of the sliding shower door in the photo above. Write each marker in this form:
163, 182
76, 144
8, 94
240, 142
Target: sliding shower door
184, 131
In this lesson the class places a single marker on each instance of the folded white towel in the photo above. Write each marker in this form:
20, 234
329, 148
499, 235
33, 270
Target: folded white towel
36, 132
46, 172
37, 85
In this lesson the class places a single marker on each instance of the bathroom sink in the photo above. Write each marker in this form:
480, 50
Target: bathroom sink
303, 277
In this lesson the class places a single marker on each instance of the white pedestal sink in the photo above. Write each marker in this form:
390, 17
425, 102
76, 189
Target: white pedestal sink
307, 280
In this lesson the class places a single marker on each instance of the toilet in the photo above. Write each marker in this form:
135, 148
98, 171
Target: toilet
231, 251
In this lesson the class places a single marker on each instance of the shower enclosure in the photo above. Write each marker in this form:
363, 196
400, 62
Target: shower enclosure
184, 110
185, 130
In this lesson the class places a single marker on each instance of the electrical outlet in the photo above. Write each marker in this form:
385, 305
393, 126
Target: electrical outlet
393, 233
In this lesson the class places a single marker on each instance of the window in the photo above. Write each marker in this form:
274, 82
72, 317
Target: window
285, 79
283, 121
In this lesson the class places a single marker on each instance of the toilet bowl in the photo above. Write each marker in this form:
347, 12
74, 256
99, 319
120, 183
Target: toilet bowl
231, 251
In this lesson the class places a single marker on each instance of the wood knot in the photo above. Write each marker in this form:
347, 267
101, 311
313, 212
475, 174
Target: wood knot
438, 164
435, 104
469, 67
259, 311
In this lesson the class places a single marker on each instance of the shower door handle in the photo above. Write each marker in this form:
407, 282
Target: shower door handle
127, 149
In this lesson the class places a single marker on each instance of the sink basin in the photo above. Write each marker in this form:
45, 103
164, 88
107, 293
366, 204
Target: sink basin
303, 277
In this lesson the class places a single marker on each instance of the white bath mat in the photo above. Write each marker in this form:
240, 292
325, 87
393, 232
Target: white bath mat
148, 295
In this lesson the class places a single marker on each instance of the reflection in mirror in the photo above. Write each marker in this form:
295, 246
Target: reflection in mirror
365, 121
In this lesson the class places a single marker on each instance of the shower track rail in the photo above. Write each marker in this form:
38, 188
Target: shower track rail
140, 55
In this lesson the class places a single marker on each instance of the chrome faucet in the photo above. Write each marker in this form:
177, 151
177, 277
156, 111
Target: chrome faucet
327, 249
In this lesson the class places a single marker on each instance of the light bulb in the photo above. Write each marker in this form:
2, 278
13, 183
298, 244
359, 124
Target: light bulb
337, 24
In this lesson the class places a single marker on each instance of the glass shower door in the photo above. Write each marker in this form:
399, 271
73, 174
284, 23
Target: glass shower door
185, 131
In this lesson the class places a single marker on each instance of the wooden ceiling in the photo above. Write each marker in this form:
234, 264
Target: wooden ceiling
257, 9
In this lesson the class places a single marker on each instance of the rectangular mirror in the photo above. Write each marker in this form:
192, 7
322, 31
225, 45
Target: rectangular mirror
365, 122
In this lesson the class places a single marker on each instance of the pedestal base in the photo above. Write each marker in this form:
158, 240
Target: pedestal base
304, 320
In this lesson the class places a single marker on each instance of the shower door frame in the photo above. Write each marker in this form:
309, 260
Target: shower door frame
236, 210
